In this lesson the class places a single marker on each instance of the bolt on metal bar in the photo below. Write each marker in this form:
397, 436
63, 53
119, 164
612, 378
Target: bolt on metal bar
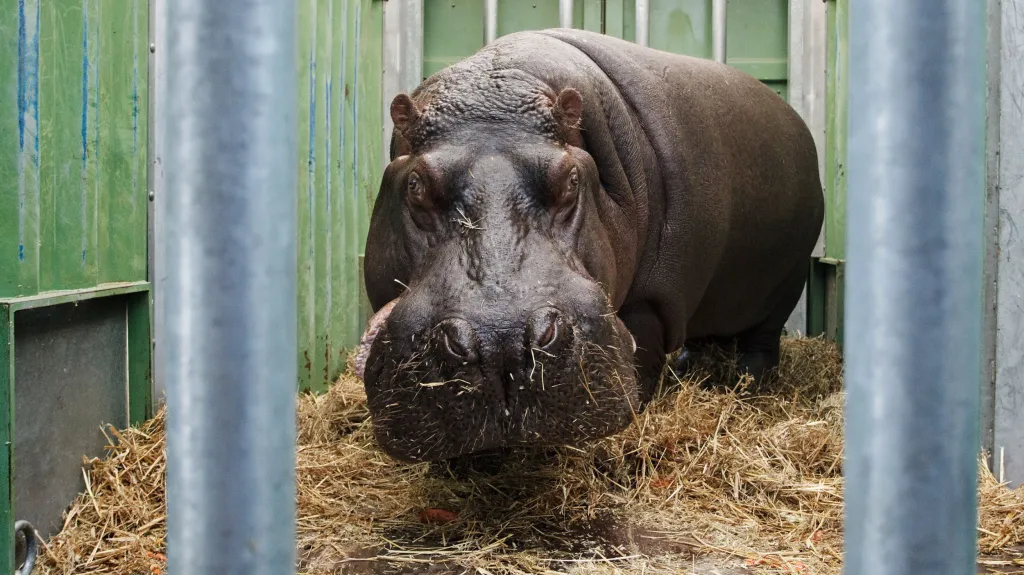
642, 21
719, 28
914, 290
490, 21
565, 13
230, 292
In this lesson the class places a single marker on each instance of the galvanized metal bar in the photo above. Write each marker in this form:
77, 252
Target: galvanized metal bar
490, 21
990, 331
806, 88
719, 29
913, 327
157, 116
565, 13
642, 21
1008, 428
229, 299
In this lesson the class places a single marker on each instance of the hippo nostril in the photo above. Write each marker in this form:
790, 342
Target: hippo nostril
458, 341
544, 328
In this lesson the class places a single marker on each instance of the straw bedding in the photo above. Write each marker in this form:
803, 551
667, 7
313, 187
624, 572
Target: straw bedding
706, 481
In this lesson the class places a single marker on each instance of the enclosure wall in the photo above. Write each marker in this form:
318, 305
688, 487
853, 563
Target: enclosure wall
73, 115
339, 169
74, 211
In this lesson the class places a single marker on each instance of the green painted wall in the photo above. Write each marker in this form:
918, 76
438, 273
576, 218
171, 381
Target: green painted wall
73, 117
757, 38
339, 169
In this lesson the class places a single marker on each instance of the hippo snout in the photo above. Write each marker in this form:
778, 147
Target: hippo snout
446, 383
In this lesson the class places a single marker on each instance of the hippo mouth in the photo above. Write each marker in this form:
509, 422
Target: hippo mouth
423, 410
376, 323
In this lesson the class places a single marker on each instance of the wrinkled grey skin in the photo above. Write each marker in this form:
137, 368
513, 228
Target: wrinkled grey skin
562, 210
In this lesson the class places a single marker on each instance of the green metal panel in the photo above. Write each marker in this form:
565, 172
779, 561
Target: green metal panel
136, 297
757, 35
339, 168
73, 198
757, 40
836, 75
453, 30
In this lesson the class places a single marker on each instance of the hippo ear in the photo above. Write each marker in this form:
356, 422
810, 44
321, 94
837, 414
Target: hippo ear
404, 112
569, 112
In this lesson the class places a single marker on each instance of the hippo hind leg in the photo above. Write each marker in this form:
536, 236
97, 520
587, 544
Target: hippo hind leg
758, 347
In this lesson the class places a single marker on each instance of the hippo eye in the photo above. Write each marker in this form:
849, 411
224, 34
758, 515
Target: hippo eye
415, 185
574, 179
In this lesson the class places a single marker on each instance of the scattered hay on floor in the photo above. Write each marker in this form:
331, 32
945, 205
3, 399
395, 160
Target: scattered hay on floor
705, 479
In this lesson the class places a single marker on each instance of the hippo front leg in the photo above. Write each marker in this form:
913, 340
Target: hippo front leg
649, 357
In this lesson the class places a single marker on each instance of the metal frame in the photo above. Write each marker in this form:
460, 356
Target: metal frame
807, 62
915, 258
158, 47
138, 385
1003, 389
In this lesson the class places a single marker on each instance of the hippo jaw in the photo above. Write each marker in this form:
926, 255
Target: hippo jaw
426, 409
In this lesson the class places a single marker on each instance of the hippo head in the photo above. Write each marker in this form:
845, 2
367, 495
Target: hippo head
494, 278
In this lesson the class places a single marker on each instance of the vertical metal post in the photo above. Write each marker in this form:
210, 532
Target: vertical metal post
642, 21
565, 13
719, 28
230, 292
914, 298
402, 57
490, 21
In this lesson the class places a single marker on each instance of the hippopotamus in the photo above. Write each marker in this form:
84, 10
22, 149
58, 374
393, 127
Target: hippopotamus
562, 210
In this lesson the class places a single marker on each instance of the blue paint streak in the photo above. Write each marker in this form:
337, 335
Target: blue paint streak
85, 82
35, 84
22, 47
22, 88
28, 101
341, 106
135, 100
311, 184
85, 111
355, 111
327, 149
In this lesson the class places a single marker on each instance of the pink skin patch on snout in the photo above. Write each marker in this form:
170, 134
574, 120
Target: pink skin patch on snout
372, 329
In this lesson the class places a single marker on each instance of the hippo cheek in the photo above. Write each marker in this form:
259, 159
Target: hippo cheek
373, 329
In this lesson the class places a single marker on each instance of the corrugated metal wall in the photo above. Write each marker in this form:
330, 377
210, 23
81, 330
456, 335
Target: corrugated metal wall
340, 164
73, 115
